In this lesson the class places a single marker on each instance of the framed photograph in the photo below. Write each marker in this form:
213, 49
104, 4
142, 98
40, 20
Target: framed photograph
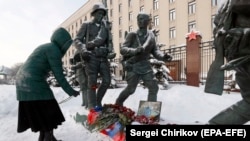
150, 109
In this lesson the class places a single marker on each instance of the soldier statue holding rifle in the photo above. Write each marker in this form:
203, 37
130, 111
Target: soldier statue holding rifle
231, 41
136, 50
94, 46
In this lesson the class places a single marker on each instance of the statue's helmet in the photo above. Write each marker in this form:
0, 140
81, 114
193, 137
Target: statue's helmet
98, 6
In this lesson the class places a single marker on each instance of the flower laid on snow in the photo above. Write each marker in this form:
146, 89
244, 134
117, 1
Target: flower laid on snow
112, 120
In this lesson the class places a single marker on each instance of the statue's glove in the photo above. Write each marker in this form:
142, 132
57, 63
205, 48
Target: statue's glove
76, 93
86, 56
73, 67
83, 48
139, 50
167, 57
77, 66
85, 53
111, 55
91, 46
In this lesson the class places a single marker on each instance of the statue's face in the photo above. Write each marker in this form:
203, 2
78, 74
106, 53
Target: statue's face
142, 21
98, 16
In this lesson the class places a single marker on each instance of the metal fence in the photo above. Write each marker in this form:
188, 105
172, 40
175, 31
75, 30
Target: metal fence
178, 66
207, 55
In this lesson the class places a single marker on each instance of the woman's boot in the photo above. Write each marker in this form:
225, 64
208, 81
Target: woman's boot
41, 136
47, 136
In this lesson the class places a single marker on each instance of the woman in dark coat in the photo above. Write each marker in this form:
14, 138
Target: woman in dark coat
38, 108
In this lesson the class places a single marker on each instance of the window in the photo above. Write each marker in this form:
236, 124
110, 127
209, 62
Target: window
120, 7
215, 2
171, 1
120, 33
212, 22
191, 26
130, 16
191, 7
130, 29
129, 3
121, 72
111, 24
111, 12
142, 9
65, 62
172, 33
156, 4
156, 20
172, 14
171, 46
120, 20
156, 38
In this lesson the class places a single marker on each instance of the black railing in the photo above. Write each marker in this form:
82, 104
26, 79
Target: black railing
178, 66
207, 55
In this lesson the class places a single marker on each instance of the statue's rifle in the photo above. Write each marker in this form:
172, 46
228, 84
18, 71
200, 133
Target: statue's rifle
107, 24
145, 45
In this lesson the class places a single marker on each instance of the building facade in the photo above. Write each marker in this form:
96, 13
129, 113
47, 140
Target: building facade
172, 18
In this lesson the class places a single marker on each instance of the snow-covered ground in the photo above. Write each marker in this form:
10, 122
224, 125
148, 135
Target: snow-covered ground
180, 103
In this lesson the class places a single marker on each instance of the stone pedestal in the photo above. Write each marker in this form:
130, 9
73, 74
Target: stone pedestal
193, 41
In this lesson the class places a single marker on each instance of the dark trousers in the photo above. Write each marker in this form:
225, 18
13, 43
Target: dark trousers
133, 80
83, 83
94, 67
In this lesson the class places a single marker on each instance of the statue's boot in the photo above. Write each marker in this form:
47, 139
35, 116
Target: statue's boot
237, 114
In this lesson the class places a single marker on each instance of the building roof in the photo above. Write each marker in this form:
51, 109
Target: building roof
4, 70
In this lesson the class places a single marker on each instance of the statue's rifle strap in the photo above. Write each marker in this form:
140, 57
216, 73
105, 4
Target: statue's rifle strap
86, 41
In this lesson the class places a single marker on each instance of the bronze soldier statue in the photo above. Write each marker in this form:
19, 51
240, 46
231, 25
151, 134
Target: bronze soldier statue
81, 77
136, 50
232, 34
93, 44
